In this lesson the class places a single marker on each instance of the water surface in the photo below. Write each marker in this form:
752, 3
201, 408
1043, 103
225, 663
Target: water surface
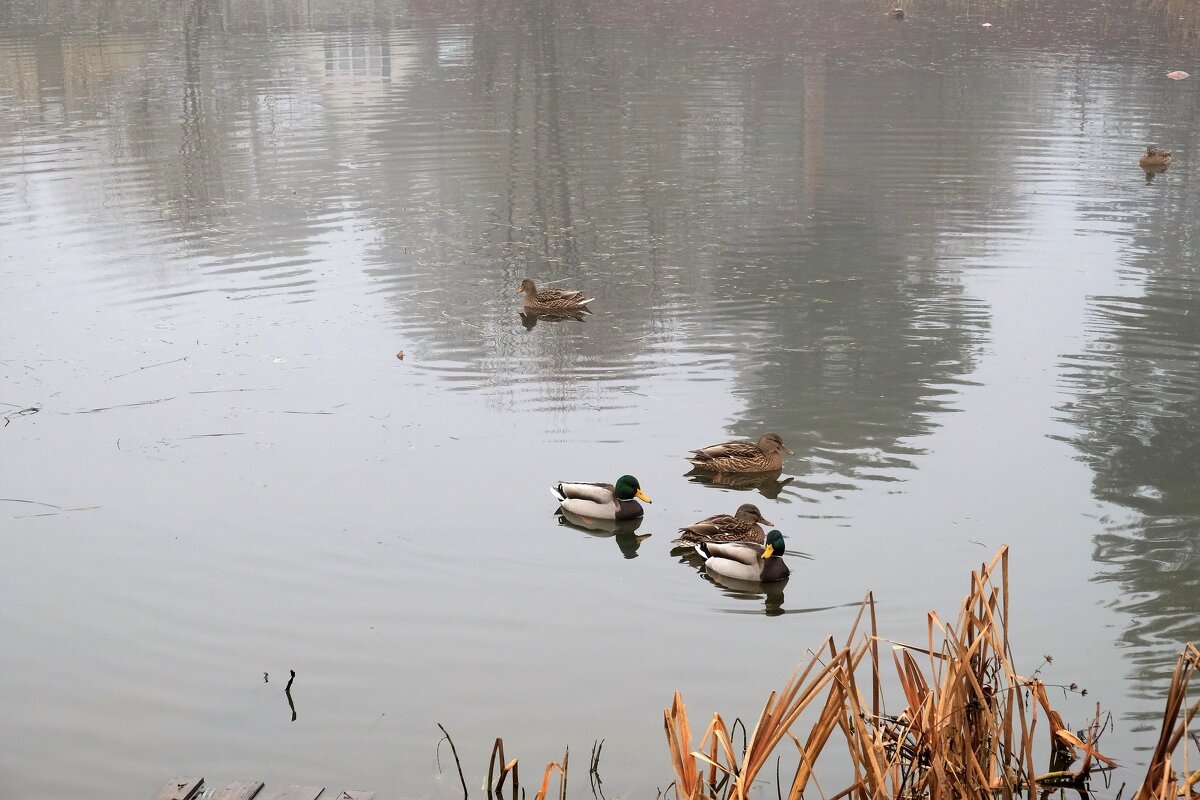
921, 252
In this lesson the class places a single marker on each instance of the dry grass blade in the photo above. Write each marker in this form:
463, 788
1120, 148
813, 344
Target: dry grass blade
679, 742
551, 768
777, 717
1161, 781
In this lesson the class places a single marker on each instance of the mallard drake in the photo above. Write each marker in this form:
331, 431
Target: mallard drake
602, 500
552, 300
743, 526
896, 12
761, 456
1155, 158
745, 561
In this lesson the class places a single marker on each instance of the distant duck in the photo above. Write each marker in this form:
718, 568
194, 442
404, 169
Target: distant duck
1155, 158
602, 500
745, 561
743, 526
552, 300
761, 456
896, 12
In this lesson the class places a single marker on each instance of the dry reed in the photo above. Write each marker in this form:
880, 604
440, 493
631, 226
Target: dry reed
967, 728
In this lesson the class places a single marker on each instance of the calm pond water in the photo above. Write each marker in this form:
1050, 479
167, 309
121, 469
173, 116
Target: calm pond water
923, 252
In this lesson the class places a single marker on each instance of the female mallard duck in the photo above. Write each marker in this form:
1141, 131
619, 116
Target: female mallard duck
602, 500
1155, 158
761, 456
552, 300
741, 527
745, 561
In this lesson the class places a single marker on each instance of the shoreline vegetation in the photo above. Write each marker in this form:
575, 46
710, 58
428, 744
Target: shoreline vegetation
971, 725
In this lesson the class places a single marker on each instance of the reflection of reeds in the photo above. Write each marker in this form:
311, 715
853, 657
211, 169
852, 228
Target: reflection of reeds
967, 728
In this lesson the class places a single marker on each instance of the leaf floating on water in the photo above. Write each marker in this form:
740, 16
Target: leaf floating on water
400, 355
1177, 75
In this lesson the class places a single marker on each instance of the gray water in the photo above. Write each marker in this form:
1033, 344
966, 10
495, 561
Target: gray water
923, 252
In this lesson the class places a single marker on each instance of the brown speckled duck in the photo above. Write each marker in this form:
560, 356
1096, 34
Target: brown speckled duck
552, 300
743, 526
1155, 158
761, 456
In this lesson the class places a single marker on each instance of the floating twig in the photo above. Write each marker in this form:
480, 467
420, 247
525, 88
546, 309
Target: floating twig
124, 405
33, 502
149, 366
23, 412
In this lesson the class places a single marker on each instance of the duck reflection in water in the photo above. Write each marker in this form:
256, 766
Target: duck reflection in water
531, 318
771, 593
767, 483
624, 531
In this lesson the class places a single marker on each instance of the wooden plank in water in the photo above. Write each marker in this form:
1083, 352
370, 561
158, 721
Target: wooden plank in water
239, 790
182, 787
299, 793
354, 794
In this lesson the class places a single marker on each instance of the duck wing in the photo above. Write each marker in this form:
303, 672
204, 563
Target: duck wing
742, 552
593, 492
727, 450
720, 528
562, 299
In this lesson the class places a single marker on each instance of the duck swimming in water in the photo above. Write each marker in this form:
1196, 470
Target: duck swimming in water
761, 456
1155, 158
602, 500
552, 300
744, 561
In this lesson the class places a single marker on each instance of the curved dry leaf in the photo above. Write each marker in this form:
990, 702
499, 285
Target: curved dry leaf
1177, 75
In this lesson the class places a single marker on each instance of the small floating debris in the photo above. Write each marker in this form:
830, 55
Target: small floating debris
986, 25
1177, 75
400, 355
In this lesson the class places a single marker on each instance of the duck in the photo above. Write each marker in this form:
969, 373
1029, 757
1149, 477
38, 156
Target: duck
1155, 158
743, 526
602, 500
761, 456
745, 561
896, 12
552, 300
